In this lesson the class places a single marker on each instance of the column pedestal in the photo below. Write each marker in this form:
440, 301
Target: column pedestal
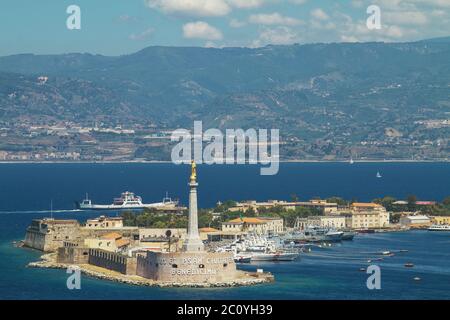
193, 242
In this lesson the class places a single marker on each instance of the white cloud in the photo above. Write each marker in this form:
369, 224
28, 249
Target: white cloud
405, 17
279, 35
212, 44
394, 32
319, 14
345, 38
196, 8
357, 4
235, 23
273, 19
143, 35
439, 13
437, 3
246, 4
298, 1
126, 18
201, 30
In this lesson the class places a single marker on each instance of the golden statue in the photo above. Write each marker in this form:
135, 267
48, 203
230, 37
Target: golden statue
193, 172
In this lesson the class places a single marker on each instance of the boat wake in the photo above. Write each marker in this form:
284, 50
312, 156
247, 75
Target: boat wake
40, 211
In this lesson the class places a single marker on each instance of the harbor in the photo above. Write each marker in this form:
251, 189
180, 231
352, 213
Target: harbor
119, 256
323, 273
321, 263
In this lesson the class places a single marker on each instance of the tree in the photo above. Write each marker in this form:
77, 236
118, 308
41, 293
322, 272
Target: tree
224, 206
386, 202
412, 199
337, 200
446, 201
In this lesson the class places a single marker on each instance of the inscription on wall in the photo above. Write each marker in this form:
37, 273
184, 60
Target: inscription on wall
194, 265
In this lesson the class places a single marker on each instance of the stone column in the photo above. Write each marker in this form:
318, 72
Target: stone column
193, 242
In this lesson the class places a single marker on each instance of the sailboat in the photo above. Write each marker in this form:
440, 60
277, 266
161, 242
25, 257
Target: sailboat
351, 160
378, 174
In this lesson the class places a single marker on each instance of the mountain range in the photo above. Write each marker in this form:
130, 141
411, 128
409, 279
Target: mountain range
343, 93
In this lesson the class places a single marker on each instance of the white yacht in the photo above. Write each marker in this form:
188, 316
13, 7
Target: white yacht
127, 200
439, 227
258, 248
275, 256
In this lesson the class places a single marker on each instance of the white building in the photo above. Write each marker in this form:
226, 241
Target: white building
417, 221
260, 225
335, 222
368, 216
104, 222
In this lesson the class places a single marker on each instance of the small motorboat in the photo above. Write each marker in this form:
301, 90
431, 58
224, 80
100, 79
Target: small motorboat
348, 235
242, 258
275, 256
409, 265
362, 269
416, 279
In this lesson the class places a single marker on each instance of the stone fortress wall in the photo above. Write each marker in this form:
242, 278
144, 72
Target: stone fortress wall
187, 267
112, 261
48, 234
72, 253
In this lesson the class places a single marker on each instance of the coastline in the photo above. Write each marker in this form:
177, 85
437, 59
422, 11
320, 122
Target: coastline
48, 261
281, 161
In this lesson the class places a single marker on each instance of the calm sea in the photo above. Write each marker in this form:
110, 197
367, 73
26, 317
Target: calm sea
26, 191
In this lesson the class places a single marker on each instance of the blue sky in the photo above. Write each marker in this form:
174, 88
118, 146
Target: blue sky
114, 27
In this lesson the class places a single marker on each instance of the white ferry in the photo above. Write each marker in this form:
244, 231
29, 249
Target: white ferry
127, 200
439, 227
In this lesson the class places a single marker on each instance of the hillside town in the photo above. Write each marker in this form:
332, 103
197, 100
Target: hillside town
68, 141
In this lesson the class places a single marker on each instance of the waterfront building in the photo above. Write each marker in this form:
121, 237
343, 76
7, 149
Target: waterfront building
301, 223
148, 233
205, 231
224, 235
367, 216
322, 205
369, 219
161, 239
258, 225
441, 220
112, 242
363, 206
417, 221
330, 221
104, 222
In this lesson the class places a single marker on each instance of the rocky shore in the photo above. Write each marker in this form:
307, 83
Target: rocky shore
244, 279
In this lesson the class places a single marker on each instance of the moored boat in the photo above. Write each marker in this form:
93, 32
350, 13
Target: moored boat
439, 227
348, 235
240, 258
275, 256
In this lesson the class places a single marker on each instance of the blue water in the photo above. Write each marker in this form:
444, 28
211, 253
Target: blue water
331, 273
25, 187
